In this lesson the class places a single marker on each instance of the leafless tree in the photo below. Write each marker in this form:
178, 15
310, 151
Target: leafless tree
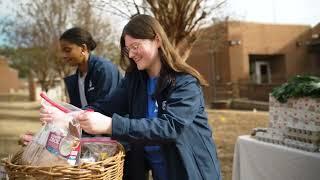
181, 19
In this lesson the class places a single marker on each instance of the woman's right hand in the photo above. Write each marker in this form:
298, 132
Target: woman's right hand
26, 138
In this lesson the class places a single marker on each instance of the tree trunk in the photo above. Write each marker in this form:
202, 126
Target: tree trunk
32, 87
64, 96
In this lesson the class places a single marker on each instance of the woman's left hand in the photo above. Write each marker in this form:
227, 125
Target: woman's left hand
25, 138
95, 123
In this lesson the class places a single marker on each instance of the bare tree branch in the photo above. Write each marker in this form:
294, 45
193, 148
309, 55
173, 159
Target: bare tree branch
136, 6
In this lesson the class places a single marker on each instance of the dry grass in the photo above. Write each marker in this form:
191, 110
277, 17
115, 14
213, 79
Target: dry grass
16, 118
227, 126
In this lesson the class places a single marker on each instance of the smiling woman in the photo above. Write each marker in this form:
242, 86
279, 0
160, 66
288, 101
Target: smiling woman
144, 53
95, 78
159, 108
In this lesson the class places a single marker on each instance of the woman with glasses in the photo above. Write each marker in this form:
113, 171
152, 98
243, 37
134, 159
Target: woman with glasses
158, 108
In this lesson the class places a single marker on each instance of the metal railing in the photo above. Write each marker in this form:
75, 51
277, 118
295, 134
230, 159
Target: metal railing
252, 91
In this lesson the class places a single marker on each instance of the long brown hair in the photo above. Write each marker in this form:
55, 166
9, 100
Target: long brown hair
147, 27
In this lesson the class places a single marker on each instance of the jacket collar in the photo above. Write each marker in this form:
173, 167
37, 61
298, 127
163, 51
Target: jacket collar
90, 62
144, 76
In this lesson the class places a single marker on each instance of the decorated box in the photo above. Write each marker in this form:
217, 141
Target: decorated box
295, 123
294, 109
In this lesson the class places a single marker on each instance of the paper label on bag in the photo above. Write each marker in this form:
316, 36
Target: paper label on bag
65, 146
53, 143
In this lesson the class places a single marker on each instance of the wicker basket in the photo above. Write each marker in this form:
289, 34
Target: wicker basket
109, 169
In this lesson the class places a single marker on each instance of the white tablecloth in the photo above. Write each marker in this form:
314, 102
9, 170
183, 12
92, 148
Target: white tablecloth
256, 160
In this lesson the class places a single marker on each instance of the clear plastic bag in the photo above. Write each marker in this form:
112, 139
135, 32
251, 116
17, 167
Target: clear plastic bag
97, 149
57, 142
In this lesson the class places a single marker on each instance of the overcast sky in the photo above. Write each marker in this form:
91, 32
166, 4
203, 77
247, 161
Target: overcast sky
268, 11
276, 11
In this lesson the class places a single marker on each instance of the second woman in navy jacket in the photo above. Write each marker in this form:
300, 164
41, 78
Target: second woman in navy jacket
95, 77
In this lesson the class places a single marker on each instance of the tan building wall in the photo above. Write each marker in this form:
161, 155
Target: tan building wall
267, 39
203, 58
244, 44
314, 49
202, 62
8, 77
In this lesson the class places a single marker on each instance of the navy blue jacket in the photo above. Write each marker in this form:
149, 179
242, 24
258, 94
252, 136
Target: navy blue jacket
102, 78
181, 128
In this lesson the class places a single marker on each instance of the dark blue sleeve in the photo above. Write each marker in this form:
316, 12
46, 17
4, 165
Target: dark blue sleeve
73, 90
181, 109
116, 102
108, 78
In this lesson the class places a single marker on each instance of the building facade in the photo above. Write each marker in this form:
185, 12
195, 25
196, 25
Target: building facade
250, 59
9, 79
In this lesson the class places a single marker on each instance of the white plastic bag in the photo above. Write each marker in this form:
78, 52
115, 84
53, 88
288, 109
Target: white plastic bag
58, 141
